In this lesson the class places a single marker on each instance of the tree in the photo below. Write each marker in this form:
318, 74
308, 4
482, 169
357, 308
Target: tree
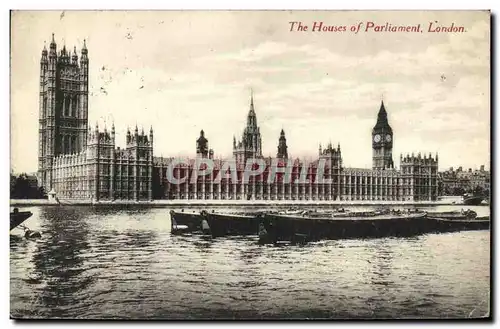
13, 180
458, 190
478, 190
22, 188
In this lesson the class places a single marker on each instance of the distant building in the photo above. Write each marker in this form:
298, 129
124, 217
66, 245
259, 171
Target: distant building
464, 180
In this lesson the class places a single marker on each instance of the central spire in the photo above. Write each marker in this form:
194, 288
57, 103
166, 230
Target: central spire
252, 110
252, 117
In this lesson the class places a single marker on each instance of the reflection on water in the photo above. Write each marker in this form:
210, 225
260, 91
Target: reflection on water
112, 263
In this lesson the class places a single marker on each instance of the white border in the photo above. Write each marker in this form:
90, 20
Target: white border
218, 4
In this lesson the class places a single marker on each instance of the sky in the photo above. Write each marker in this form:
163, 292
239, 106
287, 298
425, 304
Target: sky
183, 71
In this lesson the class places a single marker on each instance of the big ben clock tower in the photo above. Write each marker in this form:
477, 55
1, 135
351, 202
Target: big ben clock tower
382, 139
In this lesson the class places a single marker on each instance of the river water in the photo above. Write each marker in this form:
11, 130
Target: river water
96, 263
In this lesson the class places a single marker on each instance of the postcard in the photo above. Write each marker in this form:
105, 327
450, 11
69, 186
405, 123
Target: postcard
250, 165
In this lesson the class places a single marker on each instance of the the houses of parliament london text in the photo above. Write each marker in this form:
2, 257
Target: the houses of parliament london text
80, 162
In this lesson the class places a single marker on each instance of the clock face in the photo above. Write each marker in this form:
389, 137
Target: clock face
376, 138
388, 138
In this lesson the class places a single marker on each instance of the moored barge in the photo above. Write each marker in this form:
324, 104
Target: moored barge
278, 227
457, 215
185, 222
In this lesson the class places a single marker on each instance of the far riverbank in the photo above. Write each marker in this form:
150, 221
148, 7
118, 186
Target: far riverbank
229, 203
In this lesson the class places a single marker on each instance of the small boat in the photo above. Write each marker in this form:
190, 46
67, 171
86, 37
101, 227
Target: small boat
18, 217
371, 213
186, 222
459, 215
472, 200
453, 225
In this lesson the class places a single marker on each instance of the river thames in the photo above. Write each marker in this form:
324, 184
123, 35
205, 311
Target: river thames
102, 263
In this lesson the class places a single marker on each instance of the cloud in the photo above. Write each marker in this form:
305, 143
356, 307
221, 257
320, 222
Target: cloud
195, 71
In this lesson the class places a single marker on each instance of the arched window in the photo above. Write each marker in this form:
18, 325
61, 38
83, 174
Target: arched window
65, 106
44, 109
75, 106
63, 144
73, 143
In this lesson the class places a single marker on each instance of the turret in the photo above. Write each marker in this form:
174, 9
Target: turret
151, 135
64, 56
129, 136
44, 59
282, 147
74, 58
202, 145
85, 52
53, 47
113, 131
252, 117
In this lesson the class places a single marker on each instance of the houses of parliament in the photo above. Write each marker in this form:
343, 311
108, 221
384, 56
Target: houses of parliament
79, 162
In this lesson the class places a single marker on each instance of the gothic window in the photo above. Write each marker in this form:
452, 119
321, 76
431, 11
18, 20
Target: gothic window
66, 106
70, 146
73, 143
62, 144
44, 109
75, 106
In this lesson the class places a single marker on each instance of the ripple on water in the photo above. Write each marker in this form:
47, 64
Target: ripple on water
125, 264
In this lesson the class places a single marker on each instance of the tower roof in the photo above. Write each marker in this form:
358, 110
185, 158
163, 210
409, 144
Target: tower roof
84, 48
252, 117
252, 110
202, 137
53, 42
382, 121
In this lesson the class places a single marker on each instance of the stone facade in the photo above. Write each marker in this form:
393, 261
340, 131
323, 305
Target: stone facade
76, 162
63, 107
416, 180
105, 172
80, 163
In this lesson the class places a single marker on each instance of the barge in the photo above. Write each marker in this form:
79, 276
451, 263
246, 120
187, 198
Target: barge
456, 215
305, 226
278, 227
